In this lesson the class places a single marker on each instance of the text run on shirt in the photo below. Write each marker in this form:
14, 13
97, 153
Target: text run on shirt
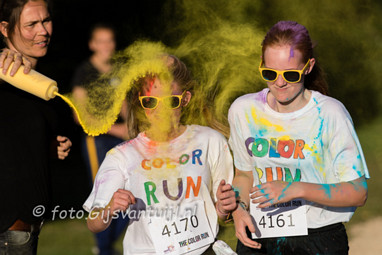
191, 184
276, 148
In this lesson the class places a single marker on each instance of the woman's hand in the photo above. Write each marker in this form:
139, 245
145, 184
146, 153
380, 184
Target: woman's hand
63, 148
100, 218
7, 57
271, 193
120, 201
226, 200
242, 219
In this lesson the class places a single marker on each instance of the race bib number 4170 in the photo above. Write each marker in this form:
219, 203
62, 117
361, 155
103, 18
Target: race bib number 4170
284, 219
183, 233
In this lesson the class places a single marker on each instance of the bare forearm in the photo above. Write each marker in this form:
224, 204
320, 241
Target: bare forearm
243, 182
342, 194
98, 220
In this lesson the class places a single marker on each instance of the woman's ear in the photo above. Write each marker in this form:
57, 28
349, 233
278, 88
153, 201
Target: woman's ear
3, 28
311, 65
186, 98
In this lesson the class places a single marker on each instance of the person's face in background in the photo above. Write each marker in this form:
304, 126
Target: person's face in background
32, 33
103, 43
279, 57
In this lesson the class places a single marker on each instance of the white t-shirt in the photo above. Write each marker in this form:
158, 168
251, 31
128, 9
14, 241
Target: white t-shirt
315, 144
164, 175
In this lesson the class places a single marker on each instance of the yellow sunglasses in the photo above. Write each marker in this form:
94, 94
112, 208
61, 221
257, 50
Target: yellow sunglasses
290, 76
151, 102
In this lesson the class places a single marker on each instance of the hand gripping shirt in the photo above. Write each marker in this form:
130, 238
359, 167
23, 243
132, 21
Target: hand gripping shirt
315, 144
165, 176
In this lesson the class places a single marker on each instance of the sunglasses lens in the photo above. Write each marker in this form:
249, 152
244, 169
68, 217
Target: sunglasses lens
172, 101
291, 76
149, 102
269, 75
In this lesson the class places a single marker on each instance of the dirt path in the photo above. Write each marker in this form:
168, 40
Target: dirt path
366, 238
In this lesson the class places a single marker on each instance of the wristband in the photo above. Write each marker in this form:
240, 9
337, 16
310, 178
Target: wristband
228, 217
243, 205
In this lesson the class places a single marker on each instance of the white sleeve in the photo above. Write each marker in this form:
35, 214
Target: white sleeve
109, 179
222, 166
236, 140
345, 150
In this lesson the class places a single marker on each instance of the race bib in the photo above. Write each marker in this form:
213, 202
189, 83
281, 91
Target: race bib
284, 219
186, 231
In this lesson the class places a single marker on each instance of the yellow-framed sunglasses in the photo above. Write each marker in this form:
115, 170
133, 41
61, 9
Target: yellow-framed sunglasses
151, 102
290, 76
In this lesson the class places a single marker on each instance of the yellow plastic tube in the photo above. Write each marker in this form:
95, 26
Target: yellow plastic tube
34, 82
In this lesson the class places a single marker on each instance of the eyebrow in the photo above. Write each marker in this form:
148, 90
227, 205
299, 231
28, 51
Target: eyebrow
32, 22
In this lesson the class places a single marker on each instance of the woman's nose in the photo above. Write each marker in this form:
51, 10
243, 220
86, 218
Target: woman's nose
280, 80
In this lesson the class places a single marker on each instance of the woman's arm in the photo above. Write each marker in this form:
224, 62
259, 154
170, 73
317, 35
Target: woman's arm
243, 181
226, 200
100, 218
343, 194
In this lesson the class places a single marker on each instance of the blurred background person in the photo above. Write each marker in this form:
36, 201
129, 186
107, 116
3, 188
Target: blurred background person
102, 44
28, 130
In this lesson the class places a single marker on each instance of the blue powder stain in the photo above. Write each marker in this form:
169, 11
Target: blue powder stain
326, 188
279, 244
358, 171
283, 191
319, 134
237, 191
364, 184
262, 191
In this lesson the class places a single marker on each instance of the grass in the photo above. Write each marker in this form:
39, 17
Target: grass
71, 237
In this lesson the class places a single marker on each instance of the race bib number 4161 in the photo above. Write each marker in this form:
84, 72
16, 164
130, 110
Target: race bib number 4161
182, 233
284, 219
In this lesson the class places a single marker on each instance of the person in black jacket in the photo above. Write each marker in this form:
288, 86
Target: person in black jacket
27, 130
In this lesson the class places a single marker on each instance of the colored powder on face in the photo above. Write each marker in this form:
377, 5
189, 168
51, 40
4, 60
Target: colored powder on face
291, 52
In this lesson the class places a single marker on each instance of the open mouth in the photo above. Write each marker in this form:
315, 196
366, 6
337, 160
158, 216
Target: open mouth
42, 43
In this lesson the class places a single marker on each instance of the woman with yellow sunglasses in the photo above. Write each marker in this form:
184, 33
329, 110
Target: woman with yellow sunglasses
299, 166
166, 178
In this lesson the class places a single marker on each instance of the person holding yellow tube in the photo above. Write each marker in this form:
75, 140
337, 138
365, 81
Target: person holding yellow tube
28, 128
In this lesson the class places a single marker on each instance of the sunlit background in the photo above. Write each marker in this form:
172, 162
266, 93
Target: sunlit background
203, 33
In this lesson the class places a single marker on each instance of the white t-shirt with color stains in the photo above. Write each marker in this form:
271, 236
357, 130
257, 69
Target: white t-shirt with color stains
175, 182
315, 144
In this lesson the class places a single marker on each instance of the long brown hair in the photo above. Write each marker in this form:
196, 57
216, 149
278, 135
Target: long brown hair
297, 36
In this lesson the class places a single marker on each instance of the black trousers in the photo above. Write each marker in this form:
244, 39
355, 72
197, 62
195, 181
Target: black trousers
328, 240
